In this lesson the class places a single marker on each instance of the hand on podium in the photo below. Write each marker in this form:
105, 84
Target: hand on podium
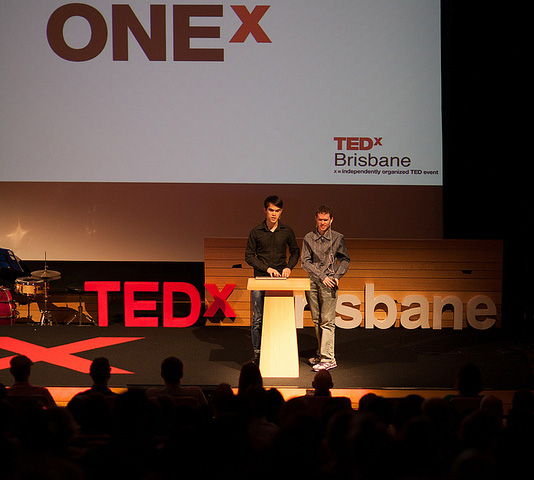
275, 273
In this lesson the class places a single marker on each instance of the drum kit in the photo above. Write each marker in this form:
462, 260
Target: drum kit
38, 285
31, 288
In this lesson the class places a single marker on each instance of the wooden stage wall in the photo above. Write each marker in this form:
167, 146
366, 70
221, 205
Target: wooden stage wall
463, 268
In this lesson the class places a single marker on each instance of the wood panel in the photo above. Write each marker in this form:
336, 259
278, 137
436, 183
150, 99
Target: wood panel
432, 268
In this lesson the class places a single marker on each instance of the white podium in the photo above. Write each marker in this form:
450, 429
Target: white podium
279, 352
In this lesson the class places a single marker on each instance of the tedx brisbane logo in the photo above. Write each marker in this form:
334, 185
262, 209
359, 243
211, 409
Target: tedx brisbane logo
153, 38
349, 154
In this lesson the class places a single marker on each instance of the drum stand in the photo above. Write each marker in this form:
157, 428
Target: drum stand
47, 276
46, 315
29, 317
81, 315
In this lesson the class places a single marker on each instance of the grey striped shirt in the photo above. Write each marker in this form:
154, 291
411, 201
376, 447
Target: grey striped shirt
324, 255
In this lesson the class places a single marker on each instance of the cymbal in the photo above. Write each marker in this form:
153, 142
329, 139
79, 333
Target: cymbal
46, 274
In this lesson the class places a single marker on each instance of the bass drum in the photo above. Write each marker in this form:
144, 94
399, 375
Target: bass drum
8, 311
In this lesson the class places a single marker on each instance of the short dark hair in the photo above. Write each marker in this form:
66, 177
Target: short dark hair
324, 209
275, 200
100, 369
172, 369
20, 367
469, 380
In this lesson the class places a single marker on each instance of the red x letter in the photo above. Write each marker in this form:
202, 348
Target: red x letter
62, 355
250, 24
219, 300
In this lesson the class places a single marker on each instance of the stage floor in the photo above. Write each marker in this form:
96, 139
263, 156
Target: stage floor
367, 359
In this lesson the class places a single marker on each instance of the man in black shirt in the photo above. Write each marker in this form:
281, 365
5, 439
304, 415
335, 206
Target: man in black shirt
266, 252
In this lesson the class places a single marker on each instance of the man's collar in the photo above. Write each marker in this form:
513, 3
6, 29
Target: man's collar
327, 234
267, 229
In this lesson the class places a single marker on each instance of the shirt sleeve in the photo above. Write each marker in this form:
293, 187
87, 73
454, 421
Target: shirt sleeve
250, 253
342, 256
307, 263
294, 250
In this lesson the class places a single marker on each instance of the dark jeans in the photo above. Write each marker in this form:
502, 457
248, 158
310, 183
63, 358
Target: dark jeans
257, 298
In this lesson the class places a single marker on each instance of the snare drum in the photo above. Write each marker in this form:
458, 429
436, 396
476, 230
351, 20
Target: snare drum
29, 286
8, 311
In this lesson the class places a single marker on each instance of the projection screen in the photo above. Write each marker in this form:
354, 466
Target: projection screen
336, 92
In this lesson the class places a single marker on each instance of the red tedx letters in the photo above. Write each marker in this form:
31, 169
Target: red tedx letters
131, 305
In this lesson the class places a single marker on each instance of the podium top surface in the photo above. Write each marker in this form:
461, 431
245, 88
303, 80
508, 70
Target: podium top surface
277, 284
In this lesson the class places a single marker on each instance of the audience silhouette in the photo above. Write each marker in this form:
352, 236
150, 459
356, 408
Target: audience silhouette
253, 431
172, 372
22, 391
322, 383
92, 409
100, 373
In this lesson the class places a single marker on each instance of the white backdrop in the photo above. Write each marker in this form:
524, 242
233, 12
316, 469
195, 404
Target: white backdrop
267, 114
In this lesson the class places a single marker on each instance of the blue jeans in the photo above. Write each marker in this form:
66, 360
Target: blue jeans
257, 298
322, 301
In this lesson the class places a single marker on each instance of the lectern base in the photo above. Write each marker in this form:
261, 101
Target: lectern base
279, 351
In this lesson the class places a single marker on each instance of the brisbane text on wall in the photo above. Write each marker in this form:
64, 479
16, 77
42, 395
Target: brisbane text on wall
481, 310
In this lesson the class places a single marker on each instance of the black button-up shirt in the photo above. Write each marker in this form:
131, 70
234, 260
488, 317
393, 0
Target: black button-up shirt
266, 249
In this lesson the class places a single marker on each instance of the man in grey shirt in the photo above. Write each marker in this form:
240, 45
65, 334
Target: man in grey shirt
326, 259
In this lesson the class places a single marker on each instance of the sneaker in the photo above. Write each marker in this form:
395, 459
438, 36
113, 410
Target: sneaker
324, 366
314, 360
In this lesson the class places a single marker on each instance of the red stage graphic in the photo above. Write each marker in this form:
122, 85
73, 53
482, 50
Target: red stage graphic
62, 355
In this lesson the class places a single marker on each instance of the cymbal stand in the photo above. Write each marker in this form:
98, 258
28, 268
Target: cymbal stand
46, 315
81, 315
